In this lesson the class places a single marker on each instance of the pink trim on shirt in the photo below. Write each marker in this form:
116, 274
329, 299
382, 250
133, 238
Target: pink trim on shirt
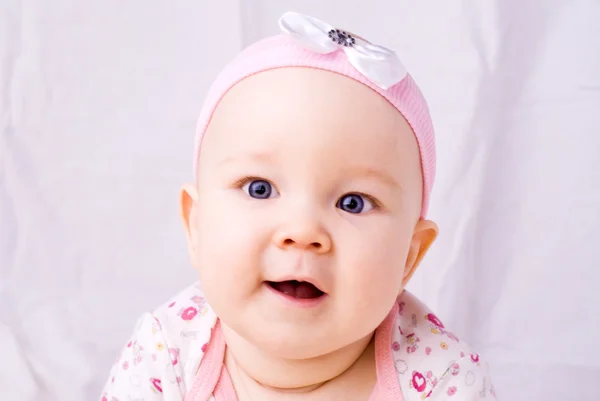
387, 387
224, 390
212, 376
209, 372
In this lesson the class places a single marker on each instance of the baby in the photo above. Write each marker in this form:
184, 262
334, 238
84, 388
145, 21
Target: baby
314, 164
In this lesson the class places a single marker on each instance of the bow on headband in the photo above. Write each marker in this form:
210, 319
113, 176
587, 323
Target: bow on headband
378, 64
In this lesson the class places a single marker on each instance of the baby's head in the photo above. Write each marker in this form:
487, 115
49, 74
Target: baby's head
307, 218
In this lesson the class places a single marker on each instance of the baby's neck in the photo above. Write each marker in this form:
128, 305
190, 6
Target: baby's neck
254, 373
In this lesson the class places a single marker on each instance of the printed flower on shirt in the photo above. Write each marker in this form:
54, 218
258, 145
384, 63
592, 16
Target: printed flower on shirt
198, 300
451, 390
189, 313
138, 353
174, 355
423, 383
418, 382
454, 369
437, 327
434, 319
412, 343
156, 385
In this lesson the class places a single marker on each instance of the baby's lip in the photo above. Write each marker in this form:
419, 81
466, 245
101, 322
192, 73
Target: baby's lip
300, 279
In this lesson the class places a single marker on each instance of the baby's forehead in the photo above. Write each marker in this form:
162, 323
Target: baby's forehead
296, 99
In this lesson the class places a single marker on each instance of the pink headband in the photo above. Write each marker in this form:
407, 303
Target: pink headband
308, 42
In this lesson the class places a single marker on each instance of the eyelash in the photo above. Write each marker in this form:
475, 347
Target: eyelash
376, 204
243, 181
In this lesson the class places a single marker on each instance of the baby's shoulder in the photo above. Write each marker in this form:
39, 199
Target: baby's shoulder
163, 354
186, 322
430, 359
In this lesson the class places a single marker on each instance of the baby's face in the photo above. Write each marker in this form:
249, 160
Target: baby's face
308, 195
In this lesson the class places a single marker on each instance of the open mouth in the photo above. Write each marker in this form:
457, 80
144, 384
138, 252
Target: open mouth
296, 289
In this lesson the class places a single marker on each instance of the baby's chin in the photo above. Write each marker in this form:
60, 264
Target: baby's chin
298, 347
290, 341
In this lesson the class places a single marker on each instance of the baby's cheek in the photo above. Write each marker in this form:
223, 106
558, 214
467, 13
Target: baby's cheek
377, 274
230, 241
381, 281
222, 221
368, 296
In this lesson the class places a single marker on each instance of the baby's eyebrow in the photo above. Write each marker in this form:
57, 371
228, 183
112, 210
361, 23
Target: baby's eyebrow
260, 157
368, 172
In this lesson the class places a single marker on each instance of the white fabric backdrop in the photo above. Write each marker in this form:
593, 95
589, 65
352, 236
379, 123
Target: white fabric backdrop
98, 102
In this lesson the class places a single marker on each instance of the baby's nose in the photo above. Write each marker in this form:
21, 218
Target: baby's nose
303, 235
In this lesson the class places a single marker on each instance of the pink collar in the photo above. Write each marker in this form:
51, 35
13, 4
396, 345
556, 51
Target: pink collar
212, 377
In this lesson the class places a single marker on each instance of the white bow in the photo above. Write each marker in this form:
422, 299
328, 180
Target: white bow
378, 64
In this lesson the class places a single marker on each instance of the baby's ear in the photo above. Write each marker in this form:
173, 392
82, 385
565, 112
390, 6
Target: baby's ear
188, 211
424, 235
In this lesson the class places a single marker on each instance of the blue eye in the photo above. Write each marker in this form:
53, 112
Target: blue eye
354, 203
259, 189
